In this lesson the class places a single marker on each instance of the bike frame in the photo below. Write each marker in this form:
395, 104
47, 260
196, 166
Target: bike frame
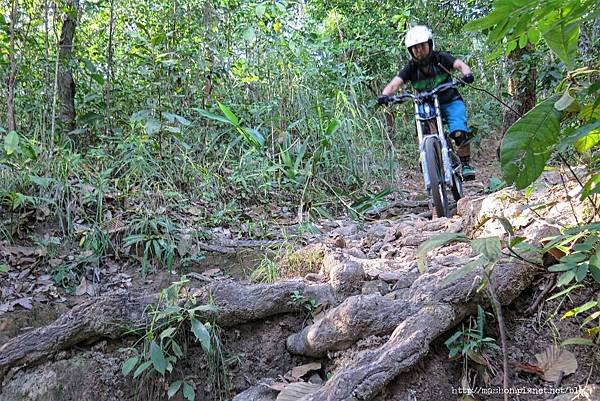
425, 100
440, 135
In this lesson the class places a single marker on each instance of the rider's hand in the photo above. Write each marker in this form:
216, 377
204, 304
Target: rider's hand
469, 79
383, 99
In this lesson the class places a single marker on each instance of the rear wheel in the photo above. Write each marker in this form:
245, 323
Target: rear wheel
433, 160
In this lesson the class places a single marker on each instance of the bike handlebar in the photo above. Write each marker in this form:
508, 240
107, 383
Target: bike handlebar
423, 95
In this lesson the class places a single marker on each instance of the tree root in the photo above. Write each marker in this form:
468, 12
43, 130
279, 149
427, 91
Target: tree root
117, 315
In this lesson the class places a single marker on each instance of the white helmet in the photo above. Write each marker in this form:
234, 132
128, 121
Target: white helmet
418, 34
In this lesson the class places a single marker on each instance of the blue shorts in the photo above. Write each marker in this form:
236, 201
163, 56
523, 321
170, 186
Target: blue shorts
455, 114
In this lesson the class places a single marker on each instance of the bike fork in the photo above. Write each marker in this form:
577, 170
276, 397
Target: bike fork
445, 153
422, 159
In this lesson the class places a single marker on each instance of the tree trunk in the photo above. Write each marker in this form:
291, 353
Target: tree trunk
12, 75
521, 86
109, 66
66, 84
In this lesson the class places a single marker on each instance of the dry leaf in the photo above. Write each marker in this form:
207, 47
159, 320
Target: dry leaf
295, 391
5, 307
533, 369
278, 386
211, 272
301, 370
54, 262
82, 287
556, 362
24, 302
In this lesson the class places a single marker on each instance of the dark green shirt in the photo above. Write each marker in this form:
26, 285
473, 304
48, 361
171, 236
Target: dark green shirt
424, 79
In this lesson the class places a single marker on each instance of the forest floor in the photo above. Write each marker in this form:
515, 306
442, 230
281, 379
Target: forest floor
32, 298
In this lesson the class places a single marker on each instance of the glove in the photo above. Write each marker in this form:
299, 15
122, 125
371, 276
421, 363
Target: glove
469, 79
383, 99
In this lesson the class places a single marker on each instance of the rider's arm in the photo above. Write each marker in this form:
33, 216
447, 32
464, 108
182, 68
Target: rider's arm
462, 67
393, 87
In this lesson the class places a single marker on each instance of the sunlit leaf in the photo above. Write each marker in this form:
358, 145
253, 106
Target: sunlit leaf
11, 142
588, 141
561, 36
212, 116
229, 114
575, 311
579, 134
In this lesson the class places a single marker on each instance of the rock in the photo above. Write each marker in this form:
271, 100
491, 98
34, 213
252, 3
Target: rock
378, 230
346, 230
377, 246
338, 241
259, 392
375, 287
356, 253
315, 379
69, 379
314, 277
346, 279
391, 277
388, 251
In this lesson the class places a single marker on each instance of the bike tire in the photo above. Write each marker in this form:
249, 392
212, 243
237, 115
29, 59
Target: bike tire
457, 180
433, 160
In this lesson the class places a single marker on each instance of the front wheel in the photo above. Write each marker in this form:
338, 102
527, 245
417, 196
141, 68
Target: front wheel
457, 179
433, 161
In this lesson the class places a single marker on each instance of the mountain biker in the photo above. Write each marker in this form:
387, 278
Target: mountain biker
428, 69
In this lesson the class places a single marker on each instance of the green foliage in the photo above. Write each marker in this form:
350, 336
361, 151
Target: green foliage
557, 22
266, 272
309, 304
470, 343
528, 144
581, 246
436, 242
156, 237
164, 343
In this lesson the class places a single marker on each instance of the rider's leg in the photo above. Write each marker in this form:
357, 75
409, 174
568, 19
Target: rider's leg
455, 114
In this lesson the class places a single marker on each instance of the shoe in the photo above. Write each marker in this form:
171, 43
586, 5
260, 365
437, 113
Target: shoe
468, 172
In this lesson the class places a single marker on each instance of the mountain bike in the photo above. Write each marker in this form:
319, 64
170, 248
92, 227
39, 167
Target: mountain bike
440, 163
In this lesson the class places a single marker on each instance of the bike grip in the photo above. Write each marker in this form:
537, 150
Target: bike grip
383, 99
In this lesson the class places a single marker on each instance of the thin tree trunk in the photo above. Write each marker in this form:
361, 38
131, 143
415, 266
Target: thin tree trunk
109, 57
10, 98
66, 84
47, 87
521, 85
